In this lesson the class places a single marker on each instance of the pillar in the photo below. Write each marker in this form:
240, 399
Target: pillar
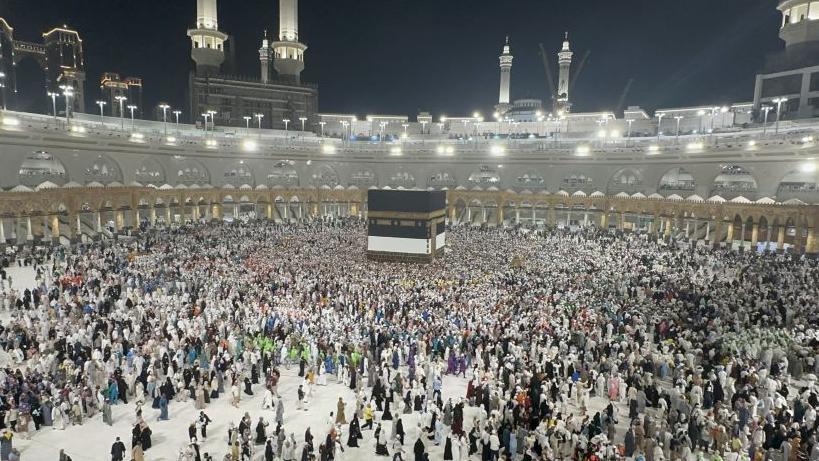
79, 226
730, 237
55, 227
718, 238
742, 234
451, 215
152, 216
469, 214
687, 229
45, 232
217, 211
29, 235
707, 230
120, 218
810, 241
569, 218
754, 235
500, 216
604, 220
98, 218
552, 217
768, 238
797, 239
585, 219
2, 232
269, 212
780, 238
667, 231
621, 221
168, 214
517, 215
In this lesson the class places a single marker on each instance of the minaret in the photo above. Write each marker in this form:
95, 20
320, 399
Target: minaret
207, 43
265, 57
288, 51
505, 78
564, 60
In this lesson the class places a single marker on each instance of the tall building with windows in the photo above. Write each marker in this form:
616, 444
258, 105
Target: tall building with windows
112, 87
789, 82
278, 93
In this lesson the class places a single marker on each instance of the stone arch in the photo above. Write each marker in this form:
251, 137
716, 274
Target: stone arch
238, 173
574, 182
802, 185
191, 171
733, 181
484, 177
150, 172
442, 179
324, 176
677, 181
40, 166
102, 169
283, 174
529, 180
363, 178
628, 180
401, 178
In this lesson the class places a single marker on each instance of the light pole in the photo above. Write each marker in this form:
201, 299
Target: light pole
102, 119
3, 88
345, 124
286, 122
424, 126
321, 124
381, 131
53, 102
68, 91
132, 108
778, 102
121, 99
212, 114
701, 114
678, 118
629, 121
302, 120
259, 118
247, 122
659, 124
205, 117
165, 108
765, 109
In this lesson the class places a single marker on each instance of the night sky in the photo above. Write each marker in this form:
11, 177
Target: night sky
402, 56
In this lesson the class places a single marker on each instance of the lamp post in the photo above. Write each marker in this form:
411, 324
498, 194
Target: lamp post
177, 113
212, 114
629, 121
778, 102
3, 88
68, 92
286, 122
381, 126
247, 122
53, 102
165, 108
345, 124
765, 109
659, 124
102, 105
424, 126
302, 120
701, 114
132, 108
121, 99
678, 118
321, 124
259, 118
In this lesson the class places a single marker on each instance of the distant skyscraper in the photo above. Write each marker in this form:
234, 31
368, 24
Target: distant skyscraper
505, 78
564, 60
112, 86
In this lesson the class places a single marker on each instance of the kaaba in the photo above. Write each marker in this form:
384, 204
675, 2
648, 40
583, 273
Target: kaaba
405, 225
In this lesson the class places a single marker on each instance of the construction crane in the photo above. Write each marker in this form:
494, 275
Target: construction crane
578, 71
623, 96
550, 83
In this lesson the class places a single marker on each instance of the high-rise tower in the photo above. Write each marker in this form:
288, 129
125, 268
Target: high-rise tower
288, 51
207, 41
564, 60
265, 58
505, 78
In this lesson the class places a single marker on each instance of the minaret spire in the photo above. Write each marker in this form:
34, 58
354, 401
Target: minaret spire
207, 42
505, 60
288, 51
564, 60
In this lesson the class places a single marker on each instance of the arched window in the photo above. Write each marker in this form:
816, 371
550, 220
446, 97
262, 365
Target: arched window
39, 167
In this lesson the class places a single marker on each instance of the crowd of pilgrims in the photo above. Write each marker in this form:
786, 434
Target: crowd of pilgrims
585, 346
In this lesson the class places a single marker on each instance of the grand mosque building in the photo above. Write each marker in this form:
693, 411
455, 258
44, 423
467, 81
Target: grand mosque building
742, 174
